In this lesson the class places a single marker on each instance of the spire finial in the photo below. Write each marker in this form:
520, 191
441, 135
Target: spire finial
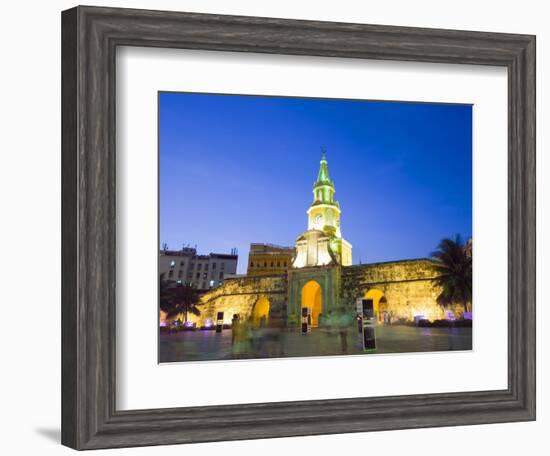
324, 152
322, 177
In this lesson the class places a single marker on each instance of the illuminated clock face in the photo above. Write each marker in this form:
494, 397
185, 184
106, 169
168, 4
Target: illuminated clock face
318, 220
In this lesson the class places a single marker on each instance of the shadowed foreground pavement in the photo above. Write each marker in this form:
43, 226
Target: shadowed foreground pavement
269, 343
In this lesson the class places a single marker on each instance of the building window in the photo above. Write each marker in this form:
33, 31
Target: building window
199, 267
259, 265
222, 266
278, 264
170, 273
206, 267
271, 264
203, 284
180, 274
221, 275
213, 265
251, 264
285, 264
204, 275
172, 263
182, 263
189, 275
198, 275
192, 266
265, 264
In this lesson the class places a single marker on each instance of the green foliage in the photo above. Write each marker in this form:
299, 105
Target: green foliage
454, 266
178, 299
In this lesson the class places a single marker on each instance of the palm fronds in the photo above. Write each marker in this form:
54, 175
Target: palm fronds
454, 269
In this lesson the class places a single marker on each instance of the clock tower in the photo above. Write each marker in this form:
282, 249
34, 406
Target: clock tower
324, 212
322, 243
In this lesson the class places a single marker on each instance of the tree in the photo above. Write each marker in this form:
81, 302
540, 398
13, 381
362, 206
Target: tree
454, 266
178, 299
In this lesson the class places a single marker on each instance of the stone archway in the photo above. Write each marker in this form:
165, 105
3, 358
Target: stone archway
260, 312
312, 297
380, 303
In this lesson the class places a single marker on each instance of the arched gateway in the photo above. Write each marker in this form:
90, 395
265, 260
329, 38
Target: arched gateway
380, 303
260, 312
312, 298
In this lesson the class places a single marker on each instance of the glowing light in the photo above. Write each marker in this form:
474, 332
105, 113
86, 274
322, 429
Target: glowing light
162, 319
449, 315
312, 299
324, 257
429, 313
260, 312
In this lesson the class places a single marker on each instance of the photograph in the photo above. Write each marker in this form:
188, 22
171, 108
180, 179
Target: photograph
300, 227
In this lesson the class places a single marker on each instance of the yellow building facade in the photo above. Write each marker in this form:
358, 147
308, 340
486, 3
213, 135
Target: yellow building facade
269, 259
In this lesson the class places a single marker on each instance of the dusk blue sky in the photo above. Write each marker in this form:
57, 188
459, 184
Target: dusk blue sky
240, 169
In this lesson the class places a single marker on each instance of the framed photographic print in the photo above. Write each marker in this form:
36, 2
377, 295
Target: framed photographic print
310, 227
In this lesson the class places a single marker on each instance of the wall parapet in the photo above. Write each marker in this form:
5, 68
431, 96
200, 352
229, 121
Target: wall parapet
245, 286
410, 270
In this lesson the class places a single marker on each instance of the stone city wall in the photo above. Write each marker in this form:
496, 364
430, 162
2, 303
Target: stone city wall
407, 286
240, 295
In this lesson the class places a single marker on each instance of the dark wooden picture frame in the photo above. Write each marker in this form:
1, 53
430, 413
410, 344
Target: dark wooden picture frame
90, 36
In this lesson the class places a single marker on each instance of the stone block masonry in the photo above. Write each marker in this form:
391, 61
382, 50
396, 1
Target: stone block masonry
401, 290
241, 296
404, 289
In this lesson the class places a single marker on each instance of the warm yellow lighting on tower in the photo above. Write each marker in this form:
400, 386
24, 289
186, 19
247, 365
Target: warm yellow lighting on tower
322, 244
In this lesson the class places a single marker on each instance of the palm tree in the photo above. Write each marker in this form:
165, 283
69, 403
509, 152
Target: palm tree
179, 299
454, 265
